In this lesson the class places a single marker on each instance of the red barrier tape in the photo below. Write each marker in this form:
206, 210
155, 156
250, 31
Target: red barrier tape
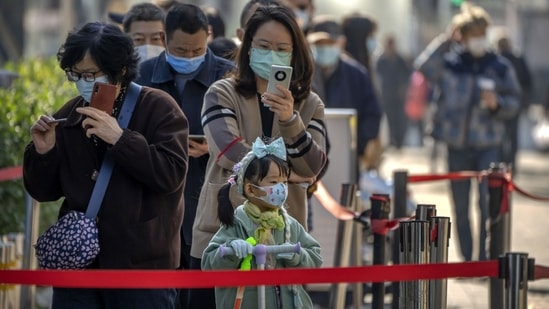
11, 173
472, 174
135, 279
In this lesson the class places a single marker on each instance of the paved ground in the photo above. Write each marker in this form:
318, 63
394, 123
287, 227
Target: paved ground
529, 222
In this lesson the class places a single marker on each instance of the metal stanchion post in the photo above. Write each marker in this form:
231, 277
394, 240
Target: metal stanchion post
380, 210
400, 193
499, 227
414, 242
439, 242
516, 268
358, 288
425, 211
32, 215
338, 292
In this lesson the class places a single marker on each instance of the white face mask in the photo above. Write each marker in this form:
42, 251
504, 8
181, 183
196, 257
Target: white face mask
148, 51
477, 46
275, 195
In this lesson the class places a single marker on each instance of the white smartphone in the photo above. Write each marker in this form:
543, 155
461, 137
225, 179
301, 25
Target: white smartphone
280, 75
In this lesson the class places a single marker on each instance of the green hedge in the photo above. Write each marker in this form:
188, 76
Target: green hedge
41, 88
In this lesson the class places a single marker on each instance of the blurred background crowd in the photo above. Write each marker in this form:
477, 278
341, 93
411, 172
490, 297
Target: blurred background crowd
401, 27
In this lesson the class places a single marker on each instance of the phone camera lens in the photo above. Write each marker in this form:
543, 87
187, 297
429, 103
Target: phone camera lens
280, 75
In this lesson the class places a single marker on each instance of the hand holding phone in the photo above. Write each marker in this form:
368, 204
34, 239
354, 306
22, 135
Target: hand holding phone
103, 97
198, 138
280, 75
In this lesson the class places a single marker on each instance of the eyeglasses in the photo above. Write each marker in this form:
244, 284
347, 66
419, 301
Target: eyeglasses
265, 45
75, 76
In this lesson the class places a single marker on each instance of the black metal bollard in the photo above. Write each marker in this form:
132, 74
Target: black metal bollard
499, 206
380, 207
400, 192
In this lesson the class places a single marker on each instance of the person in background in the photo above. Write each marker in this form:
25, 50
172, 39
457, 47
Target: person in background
144, 23
238, 109
478, 91
261, 177
215, 22
185, 70
342, 82
303, 10
143, 199
359, 32
393, 74
247, 11
360, 43
510, 145
223, 47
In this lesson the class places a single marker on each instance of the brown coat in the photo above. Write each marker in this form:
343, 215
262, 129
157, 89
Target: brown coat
232, 123
140, 218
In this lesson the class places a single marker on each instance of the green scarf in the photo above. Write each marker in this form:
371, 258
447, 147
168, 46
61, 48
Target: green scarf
267, 220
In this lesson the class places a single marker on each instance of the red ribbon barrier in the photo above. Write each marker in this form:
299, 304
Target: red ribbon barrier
11, 173
135, 279
473, 174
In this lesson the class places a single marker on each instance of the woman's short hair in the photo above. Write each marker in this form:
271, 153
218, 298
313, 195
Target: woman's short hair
111, 50
472, 17
302, 62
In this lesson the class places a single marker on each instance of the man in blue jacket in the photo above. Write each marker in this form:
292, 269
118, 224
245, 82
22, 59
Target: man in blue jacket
185, 70
341, 81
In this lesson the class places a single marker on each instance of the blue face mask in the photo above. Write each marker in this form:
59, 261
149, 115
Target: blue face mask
261, 61
185, 65
371, 45
86, 88
326, 55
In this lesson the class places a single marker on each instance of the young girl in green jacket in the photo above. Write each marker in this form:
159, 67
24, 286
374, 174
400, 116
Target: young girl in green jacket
261, 177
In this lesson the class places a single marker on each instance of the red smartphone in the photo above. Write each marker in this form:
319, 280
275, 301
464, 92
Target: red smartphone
103, 97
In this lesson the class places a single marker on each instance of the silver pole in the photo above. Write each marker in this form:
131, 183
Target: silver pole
425, 211
338, 292
358, 292
439, 242
32, 215
414, 242
516, 280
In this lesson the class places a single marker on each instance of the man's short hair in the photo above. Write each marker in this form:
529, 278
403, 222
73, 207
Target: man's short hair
142, 12
188, 18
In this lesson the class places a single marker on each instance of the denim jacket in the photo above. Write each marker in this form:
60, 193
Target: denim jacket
460, 120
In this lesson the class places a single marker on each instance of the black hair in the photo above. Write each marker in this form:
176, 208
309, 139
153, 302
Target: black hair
256, 170
302, 61
249, 9
215, 21
111, 49
143, 12
188, 18
223, 47
357, 28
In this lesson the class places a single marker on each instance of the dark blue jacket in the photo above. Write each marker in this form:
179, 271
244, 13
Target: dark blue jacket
157, 73
350, 86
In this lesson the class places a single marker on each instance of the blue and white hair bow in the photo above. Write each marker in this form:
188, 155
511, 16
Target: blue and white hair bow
276, 148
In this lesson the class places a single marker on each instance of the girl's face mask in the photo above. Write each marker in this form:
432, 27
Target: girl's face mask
275, 195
